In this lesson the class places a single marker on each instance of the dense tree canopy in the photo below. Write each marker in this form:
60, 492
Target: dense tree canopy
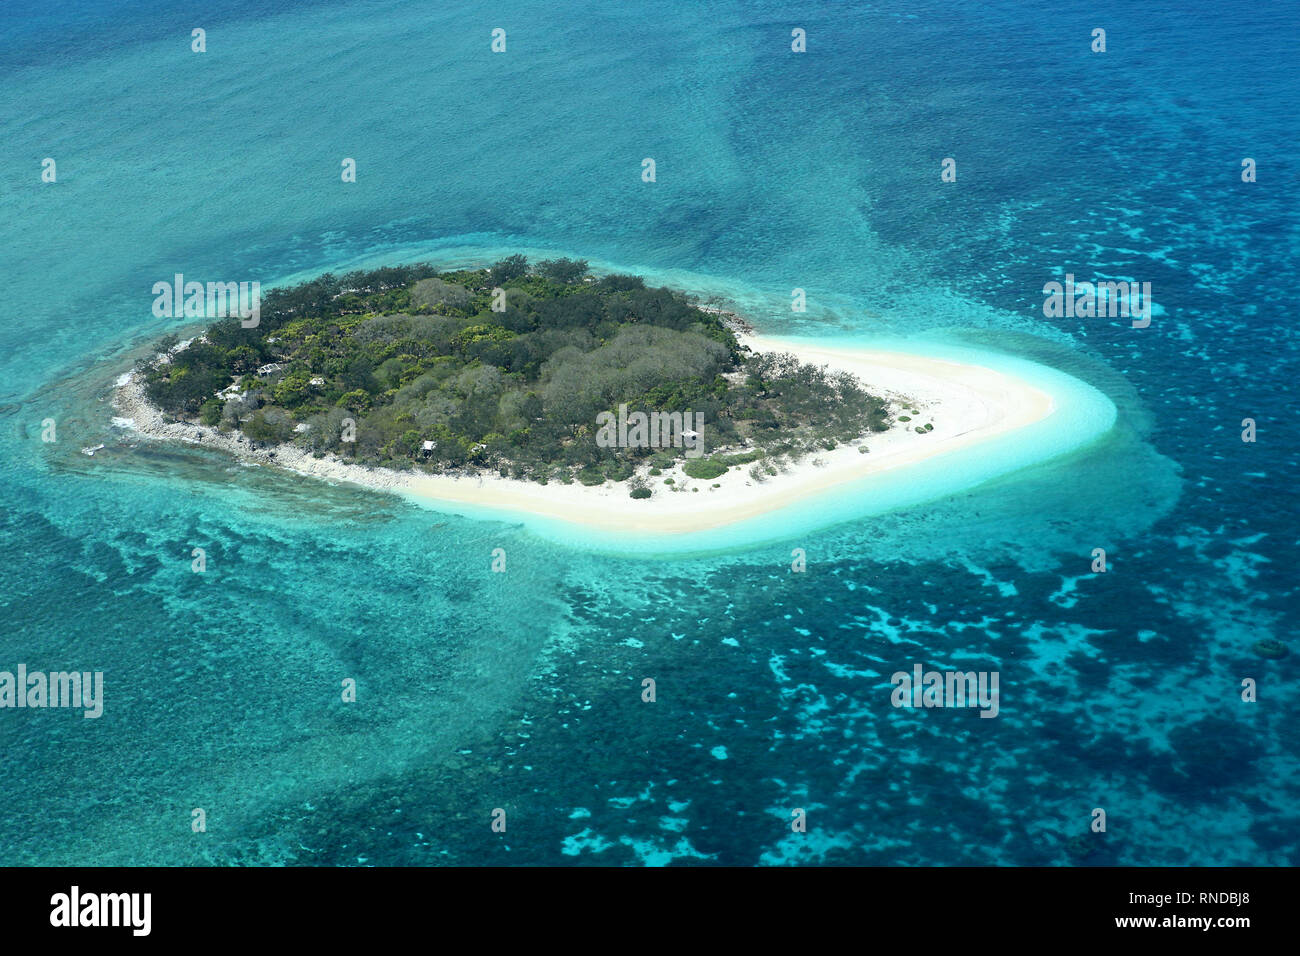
378, 364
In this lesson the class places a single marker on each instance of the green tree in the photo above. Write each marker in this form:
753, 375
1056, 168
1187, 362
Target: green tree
509, 268
358, 400
563, 270
292, 390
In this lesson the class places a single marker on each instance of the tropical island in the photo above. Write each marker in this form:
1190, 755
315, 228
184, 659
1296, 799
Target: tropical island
546, 393
540, 373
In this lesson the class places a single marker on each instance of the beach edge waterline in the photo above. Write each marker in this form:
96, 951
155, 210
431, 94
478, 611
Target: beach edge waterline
968, 404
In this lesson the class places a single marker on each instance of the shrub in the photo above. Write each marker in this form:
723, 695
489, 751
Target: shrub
619, 470
704, 468
434, 293
210, 412
269, 426
640, 493
358, 400
742, 459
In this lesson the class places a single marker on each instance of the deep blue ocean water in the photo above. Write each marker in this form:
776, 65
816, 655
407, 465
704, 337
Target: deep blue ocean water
522, 690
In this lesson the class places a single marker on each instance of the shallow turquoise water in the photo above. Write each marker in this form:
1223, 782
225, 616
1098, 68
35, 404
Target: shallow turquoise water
522, 690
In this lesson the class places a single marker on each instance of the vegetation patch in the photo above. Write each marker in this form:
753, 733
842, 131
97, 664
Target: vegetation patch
704, 468
408, 366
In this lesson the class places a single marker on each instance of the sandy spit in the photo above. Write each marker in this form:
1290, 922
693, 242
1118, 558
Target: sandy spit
966, 404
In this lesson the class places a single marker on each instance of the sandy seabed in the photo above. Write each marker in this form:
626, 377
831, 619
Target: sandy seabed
966, 404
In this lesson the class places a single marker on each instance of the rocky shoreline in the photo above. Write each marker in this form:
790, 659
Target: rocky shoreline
147, 420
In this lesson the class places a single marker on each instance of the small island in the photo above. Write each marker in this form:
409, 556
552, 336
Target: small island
544, 393
535, 373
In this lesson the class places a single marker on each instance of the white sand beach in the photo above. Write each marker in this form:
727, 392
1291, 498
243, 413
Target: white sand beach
966, 404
